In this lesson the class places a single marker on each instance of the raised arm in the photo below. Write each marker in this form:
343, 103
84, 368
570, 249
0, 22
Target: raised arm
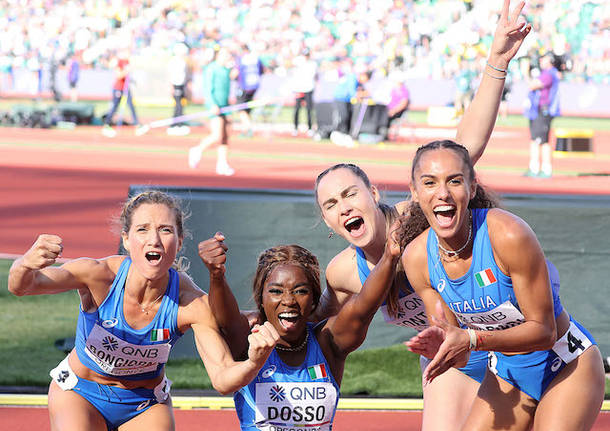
234, 325
226, 374
349, 327
32, 273
479, 119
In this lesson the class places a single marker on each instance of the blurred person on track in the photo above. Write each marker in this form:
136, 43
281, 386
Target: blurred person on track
304, 73
216, 87
249, 72
120, 88
133, 309
179, 76
73, 77
543, 99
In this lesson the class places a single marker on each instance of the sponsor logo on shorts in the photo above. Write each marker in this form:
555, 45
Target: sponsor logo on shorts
143, 405
268, 372
110, 323
556, 364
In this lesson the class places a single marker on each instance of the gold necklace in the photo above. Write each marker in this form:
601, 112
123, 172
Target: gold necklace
294, 349
149, 306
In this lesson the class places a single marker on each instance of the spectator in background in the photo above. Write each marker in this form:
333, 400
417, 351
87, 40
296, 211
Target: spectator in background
54, 63
399, 99
249, 72
345, 91
216, 87
303, 83
464, 81
543, 106
362, 92
120, 88
73, 75
179, 77
344, 94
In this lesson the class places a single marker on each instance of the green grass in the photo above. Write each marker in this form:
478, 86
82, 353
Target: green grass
32, 324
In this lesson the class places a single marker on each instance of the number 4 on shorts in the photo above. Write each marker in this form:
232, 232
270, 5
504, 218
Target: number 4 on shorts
574, 343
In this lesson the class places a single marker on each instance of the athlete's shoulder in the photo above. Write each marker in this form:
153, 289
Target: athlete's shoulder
342, 270
88, 269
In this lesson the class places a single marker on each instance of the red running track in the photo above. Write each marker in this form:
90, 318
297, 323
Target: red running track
36, 419
72, 183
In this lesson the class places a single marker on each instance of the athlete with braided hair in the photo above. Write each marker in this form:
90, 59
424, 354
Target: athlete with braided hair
298, 387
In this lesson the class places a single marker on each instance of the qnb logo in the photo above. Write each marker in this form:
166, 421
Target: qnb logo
110, 323
110, 343
277, 393
441, 285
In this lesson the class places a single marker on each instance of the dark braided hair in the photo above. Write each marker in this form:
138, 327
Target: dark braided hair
271, 258
413, 222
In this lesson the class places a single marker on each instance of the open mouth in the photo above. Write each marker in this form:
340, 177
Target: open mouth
288, 320
355, 226
444, 214
153, 256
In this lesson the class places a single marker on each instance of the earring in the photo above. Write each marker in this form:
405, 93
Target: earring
330, 234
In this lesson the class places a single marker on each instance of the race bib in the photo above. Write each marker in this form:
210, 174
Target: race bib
411, 313
504, 316
295, 406
573, 343
120, 358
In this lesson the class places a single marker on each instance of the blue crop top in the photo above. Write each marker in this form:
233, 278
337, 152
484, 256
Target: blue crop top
483, 298
106, 343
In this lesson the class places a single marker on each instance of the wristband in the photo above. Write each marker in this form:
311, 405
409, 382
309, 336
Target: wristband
494, 77
473, 339
497, 68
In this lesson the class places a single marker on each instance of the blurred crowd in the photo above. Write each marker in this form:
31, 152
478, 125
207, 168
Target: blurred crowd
420, 39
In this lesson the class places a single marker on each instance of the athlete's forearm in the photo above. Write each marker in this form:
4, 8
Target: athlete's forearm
479, 119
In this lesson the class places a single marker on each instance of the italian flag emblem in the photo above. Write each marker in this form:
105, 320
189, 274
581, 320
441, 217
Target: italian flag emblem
159, 334
317, 371
485, 277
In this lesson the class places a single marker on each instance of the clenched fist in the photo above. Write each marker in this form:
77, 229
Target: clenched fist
44, 252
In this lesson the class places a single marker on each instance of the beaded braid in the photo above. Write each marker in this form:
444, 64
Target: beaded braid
293, 254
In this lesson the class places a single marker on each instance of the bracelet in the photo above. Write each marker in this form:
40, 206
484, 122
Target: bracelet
494, 77
496, 68
473, 339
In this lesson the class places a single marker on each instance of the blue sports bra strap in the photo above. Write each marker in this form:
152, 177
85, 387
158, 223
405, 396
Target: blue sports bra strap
363, 267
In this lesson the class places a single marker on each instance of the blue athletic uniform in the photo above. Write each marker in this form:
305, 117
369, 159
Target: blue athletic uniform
283, 398
484, 299
106, 344
412, 314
